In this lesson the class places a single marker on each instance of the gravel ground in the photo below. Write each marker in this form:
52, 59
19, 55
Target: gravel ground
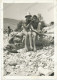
29, 63
39, 63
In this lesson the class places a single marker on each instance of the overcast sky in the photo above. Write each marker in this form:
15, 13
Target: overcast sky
19, 10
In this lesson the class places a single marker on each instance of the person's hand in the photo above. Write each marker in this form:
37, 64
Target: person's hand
39, 31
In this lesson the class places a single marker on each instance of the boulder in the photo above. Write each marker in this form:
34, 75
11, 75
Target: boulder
44, 71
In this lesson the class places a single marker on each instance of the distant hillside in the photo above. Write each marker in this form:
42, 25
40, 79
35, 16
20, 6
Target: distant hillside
10, 22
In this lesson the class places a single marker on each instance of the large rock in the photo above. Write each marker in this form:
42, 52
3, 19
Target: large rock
50, 30
45, 72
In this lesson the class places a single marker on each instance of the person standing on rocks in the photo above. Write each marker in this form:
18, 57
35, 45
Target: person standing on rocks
9, 30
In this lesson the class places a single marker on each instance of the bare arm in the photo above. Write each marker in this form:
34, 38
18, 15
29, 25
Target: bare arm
39, 27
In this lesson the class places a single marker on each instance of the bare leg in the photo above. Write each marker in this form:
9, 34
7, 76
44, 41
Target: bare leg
30, 40
25, 42
34, 37
38, 37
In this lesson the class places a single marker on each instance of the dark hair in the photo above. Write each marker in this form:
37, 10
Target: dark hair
34, 16
8, 26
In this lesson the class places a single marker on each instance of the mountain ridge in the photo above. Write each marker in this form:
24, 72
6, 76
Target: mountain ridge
10, 22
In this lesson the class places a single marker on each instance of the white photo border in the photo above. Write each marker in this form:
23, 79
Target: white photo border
55, 41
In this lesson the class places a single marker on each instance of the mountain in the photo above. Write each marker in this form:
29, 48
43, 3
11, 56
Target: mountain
10, 22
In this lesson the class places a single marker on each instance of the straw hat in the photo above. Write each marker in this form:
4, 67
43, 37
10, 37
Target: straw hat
28, 15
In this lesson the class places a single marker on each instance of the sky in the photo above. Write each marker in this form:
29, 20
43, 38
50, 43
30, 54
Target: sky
19, 10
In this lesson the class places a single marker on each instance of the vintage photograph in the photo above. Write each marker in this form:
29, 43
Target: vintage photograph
28, 39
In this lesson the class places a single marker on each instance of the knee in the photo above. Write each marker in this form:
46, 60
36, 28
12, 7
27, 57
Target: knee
25, 33
29, 33
34, 34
